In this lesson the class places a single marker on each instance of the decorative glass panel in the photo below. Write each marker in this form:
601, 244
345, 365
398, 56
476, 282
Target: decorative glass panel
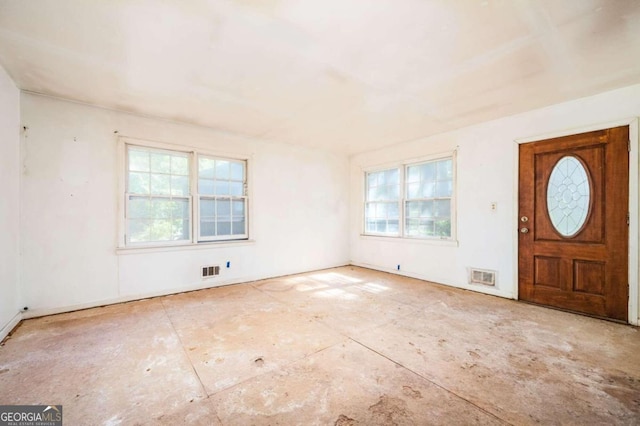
568, 196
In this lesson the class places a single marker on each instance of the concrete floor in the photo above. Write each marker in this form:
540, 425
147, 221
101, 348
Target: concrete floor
343, 346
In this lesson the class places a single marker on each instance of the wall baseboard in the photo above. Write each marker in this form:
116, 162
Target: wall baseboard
476, 288
8, 328
41, 312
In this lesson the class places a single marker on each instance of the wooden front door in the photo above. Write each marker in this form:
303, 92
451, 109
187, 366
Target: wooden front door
573, 223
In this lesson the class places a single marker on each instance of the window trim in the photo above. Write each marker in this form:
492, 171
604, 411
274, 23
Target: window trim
402, 166
193, 152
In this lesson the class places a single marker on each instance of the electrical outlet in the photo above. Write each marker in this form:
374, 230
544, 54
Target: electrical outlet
494, 206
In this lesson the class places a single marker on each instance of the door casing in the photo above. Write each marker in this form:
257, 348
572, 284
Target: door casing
634, 196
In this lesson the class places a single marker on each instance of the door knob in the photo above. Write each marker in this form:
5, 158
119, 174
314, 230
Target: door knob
524, 219
524, 230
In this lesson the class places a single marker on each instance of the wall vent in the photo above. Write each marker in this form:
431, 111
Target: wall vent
210, 271
482, 276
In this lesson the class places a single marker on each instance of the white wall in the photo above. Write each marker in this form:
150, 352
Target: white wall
487, 166
9, 204
70, 210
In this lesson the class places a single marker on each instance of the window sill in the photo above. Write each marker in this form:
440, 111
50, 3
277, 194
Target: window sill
182, 247
403, 240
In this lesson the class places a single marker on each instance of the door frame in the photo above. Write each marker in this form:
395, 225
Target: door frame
634, 198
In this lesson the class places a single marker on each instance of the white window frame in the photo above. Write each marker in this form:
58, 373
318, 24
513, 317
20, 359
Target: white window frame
194, 207
128, 195
244, 197
403, 166
398, 202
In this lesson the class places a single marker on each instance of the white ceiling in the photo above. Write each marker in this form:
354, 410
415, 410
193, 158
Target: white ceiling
345, 75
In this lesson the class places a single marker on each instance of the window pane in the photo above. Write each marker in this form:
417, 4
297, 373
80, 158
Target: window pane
224, 226
207, 208
160, 163
383, 185
222, 169
391, 177
205, 187
443, 228
237, 171
413, 190
371, 180
427, 209
139, 230
207, 227
427, 227
138, 160
370, 226
428, 172
393, 192
180, 209
371, 194
444, 189
221, 188
238, 208
420, 227
445, 169
161, 208
381, 210
179, 185
160, 184
412, 227
179, 165
206, 167
393, 211
413, 174
180, 229
380, 179
393, 226
238, 226
138, 183
369, 210
223, 207
236, 189
161, 230
427, 190
413, 209
442, 208
139, 207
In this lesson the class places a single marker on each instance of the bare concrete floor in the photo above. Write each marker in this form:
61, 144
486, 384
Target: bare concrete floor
343, 346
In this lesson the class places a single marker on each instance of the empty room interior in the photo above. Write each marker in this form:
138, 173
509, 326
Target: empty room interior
341, 212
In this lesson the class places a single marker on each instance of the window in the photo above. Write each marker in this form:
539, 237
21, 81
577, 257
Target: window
426, 204
382, 205
428, 192
223, 204
161, 187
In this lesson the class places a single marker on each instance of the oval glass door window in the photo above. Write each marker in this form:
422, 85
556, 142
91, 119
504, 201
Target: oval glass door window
568, 196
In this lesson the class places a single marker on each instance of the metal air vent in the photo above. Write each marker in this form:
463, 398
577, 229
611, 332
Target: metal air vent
210, 271
482, 276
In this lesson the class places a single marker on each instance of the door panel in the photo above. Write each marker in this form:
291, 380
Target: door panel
580, 263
